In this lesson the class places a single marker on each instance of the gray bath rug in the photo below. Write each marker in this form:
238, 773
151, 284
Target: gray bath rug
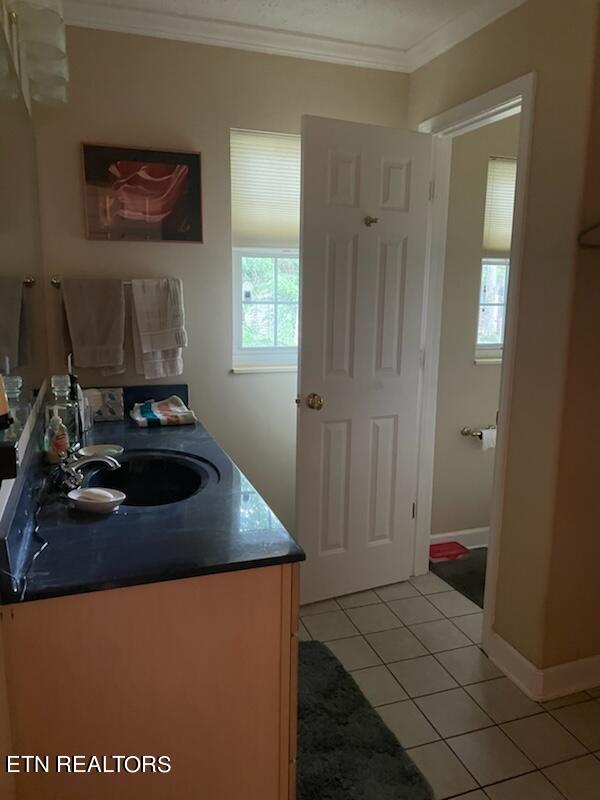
345, 752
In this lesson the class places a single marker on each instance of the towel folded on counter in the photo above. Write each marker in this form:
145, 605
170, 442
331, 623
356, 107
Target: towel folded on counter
172, 411
12, 323
158, 320
95, 312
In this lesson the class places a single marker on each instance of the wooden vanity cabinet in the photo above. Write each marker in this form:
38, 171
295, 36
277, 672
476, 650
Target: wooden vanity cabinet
203, 670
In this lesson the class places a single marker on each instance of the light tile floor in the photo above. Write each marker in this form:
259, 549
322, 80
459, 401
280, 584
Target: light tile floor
413, 650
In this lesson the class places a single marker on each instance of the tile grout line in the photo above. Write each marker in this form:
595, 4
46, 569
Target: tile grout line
409, 698
589, 750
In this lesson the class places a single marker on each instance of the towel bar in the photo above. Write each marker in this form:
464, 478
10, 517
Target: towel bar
56, 281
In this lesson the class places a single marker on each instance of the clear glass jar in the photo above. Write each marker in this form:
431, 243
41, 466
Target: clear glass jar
62, 406
18, 409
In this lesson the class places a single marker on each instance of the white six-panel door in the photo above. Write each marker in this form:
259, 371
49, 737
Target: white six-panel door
361, 310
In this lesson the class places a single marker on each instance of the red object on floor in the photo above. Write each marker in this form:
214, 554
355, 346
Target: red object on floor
447, 551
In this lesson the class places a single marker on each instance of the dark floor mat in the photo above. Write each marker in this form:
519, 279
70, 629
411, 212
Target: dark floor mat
466, 575
345, 752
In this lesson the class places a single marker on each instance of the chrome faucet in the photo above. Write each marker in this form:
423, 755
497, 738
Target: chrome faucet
71, 475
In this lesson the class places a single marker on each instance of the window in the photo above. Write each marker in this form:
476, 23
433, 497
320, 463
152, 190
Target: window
495, 264
492, 307
266, 285
265, 212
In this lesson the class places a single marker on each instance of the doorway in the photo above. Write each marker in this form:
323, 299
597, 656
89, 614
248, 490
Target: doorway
476, 276
511, 99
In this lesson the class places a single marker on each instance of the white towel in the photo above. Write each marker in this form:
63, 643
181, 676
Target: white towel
156, 364
96, 318
158, 305
11, 322
165, 308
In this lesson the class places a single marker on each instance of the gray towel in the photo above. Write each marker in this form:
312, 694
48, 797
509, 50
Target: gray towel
11, 322
95, 311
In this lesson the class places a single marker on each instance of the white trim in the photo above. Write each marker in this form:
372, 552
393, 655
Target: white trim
528, 84
191, 28
7, 486
259, 369
543, 684
518, 95
430, 345
472, 537
493, 106
526, 675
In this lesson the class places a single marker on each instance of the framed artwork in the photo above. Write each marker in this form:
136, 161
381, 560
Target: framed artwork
132, 194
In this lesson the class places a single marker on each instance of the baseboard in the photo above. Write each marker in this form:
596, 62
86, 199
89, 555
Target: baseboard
474, 537
542, 684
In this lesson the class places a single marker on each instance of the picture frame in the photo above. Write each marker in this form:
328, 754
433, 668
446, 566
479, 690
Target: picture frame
141, 194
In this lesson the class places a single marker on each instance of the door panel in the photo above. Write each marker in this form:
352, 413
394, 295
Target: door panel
364, 220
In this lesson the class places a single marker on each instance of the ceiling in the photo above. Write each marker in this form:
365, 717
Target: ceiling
399, 35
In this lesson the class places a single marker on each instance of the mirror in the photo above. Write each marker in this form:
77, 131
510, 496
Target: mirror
22, 337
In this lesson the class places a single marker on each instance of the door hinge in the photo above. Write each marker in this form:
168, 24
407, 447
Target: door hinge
414, 510
431, 191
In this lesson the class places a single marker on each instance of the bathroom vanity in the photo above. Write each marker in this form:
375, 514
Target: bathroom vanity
158, 630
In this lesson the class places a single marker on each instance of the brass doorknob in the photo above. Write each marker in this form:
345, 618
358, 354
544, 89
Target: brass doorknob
314, 401
371, 221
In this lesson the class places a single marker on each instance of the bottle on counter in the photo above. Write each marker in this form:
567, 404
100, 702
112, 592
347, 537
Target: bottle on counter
56, 440
18, 408
63, 407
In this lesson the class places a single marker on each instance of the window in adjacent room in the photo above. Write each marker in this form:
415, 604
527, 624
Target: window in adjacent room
495, 264
265, 212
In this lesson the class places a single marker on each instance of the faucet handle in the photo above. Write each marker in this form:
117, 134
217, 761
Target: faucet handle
68, 476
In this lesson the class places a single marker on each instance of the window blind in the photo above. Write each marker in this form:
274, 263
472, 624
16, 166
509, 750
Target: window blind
265, 189
499, 205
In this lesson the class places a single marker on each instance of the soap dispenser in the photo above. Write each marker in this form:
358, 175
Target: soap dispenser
56, 441
62, 406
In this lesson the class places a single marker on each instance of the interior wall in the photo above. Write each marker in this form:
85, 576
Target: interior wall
558, 46
572, 614
141, 91
467, 392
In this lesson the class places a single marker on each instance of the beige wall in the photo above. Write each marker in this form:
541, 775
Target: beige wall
572, 626
467, 393
135, 90
558, 45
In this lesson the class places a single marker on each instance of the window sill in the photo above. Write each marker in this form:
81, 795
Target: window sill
246, 370
488, 362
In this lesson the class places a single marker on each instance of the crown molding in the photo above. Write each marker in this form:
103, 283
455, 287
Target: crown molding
190, 28
226, 34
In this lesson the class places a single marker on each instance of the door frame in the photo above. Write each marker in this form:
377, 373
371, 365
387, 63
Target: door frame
512, 98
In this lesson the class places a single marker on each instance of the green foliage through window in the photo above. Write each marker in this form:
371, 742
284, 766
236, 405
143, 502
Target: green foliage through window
492, 302
270, 293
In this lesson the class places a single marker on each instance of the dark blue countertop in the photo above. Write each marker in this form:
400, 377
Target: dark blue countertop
226, 526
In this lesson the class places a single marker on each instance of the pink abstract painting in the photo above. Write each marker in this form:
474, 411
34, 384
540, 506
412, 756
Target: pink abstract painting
142, 195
